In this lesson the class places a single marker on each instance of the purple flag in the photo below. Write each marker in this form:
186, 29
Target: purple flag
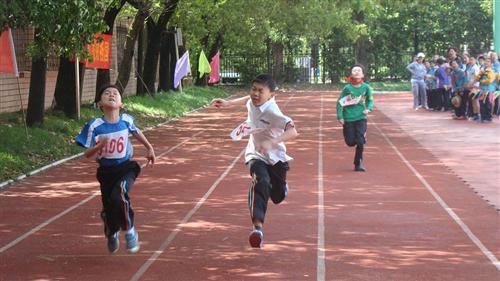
182, 68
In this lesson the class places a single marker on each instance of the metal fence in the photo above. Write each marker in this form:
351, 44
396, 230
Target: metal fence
294, 68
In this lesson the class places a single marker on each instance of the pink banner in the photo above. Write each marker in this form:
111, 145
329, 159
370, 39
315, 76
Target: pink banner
215, 73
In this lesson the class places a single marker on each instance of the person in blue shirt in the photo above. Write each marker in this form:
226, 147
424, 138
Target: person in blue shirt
431, 84
107, 139
444, 85
459, 99
418, 72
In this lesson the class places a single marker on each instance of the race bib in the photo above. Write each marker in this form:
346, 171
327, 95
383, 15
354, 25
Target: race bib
117, 145
348, 100
243, 130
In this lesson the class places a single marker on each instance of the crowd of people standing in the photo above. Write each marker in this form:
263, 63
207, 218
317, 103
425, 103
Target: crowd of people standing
467, 85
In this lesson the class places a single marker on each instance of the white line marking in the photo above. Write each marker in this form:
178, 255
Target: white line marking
443, 204
94, 194
186, 218
320, 270
45, 223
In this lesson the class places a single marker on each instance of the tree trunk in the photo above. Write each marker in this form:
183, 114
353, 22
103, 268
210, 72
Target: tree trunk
154, 43
416, 42
151, 57
128, 53
141, 42
278, 61
36, 97
65, 92
167, 59
103, 77
361, 46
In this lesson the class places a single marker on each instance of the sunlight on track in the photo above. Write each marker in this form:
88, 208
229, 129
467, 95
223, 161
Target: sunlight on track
94, 194
443, 204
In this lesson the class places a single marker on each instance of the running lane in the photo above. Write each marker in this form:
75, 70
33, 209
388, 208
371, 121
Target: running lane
193, 220
402, 221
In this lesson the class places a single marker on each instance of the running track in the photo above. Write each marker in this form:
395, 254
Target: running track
407, 218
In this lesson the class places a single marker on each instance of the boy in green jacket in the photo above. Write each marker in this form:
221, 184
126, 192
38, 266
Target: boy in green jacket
353, 106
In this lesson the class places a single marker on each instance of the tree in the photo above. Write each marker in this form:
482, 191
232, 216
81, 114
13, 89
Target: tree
143, 11
73, 37
110, 15
63, 34
155, 30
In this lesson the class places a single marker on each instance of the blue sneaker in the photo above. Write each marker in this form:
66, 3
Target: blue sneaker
132, 240
114, 242
256, 238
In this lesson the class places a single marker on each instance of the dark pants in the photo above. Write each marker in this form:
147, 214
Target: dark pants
431, 98
354, 135
447, 99
116, 183
485, 106
460, 110
267, 181
439, 99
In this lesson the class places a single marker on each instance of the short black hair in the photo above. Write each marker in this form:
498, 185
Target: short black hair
440, 61
360, 66
102, 89
267, 80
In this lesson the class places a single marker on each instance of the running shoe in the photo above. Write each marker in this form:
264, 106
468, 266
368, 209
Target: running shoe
132, 239
114, 242
256, 238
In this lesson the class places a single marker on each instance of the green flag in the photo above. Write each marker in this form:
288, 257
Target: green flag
203, 65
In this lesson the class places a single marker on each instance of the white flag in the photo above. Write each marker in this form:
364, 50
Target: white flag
182, 68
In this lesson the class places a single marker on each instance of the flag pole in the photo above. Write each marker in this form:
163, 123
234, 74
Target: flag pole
22, 107
77, 85
177, 56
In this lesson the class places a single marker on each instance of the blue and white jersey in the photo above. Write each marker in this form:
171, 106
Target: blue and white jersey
119, 148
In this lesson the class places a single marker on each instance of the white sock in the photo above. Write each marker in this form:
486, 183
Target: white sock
131, 231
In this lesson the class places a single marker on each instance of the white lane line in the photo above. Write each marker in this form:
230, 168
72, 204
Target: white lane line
320, 270
443, 204
94, 194
186, 218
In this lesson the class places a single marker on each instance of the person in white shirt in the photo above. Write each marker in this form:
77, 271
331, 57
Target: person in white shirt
265, 153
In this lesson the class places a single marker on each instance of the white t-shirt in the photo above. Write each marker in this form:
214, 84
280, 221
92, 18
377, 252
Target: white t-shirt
271, 122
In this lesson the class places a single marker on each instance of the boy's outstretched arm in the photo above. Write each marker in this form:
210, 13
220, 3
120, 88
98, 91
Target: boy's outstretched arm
224, 103
151, 153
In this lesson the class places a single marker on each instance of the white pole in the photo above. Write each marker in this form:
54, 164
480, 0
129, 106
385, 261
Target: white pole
77, 84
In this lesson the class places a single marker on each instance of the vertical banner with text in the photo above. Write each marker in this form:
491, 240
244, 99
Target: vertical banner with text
100, 51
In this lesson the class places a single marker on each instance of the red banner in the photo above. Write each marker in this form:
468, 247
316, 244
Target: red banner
100, 51
8, 61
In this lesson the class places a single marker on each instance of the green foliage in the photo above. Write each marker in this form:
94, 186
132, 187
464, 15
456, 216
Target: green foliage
54, 140
64, 27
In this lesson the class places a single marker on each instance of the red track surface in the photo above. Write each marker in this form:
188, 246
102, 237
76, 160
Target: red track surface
407, 218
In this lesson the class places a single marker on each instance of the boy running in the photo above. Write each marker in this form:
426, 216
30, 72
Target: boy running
107, 138
265, 153
353, 106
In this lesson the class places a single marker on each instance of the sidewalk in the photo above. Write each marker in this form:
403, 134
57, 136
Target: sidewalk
471, 150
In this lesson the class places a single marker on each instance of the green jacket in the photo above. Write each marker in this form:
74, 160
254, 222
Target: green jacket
354, 112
